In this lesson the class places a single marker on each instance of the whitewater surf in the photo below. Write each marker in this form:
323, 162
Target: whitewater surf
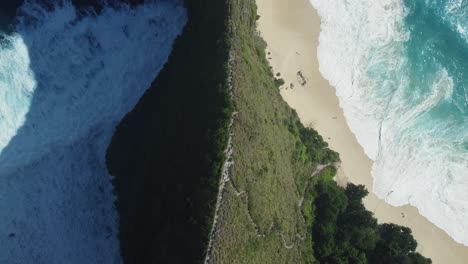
400, 72
66, 80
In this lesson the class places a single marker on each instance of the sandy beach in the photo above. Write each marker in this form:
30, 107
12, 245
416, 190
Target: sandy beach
291, 29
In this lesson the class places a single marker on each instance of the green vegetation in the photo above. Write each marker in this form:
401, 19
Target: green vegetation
167, 153
280, 204
345, 232
279, 82
274, 155
273, 211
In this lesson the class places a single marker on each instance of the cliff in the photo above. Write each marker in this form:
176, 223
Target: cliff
212, 164
167, 153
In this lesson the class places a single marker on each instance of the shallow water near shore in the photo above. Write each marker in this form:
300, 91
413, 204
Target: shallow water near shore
404, 92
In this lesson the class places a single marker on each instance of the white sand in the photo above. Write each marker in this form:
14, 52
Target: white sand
291, 30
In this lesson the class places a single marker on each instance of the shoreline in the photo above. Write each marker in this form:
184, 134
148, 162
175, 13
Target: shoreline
291, 30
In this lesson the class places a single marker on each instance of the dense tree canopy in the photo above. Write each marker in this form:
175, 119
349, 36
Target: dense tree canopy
345, 232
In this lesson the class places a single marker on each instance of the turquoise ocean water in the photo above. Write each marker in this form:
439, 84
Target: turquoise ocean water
400, 68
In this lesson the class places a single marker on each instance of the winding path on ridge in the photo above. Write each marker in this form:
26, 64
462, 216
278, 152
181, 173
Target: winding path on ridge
245, 194
226, 178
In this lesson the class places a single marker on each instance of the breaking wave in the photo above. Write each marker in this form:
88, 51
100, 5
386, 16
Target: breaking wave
400, 72
65, 82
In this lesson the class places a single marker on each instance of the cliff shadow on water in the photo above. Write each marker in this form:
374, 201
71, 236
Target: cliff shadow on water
66, 80
7, 14
167, 154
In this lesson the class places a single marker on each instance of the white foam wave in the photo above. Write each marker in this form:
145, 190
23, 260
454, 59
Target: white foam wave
455, 13
420, 163
14, 106
64, 85
355, 37
419, 154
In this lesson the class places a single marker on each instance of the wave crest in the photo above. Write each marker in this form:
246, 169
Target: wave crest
402, 88
65, 82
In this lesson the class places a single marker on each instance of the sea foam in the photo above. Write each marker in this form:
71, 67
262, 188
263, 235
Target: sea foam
65, 82
399, 69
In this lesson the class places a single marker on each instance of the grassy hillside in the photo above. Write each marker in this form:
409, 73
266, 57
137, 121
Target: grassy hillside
167, 153
274, 157
279, 203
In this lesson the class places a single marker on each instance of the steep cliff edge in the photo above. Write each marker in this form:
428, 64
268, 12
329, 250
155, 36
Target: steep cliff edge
167, 153
212, 164
274, 156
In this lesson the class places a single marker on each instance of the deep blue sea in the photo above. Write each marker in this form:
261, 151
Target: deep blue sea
400, 68
66, 79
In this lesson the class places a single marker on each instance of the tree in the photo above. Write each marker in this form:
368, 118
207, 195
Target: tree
355, 194
329, 203
396, 245
345, 232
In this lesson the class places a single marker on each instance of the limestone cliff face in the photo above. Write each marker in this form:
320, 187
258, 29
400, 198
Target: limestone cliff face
167, 153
